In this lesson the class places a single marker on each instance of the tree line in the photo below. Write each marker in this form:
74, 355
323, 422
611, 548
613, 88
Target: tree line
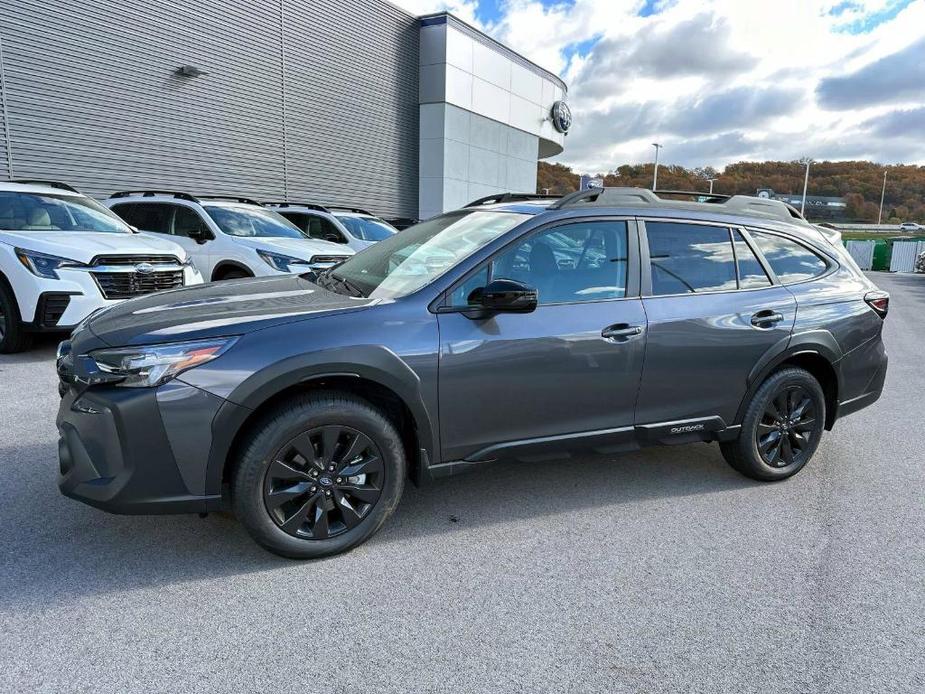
859, 182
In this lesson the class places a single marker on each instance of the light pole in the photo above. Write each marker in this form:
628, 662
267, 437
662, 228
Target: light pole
655, 173
882, 194
807, 161
711, 183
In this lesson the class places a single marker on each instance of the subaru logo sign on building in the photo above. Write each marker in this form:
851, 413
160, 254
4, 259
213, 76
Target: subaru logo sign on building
561, 116
586, 182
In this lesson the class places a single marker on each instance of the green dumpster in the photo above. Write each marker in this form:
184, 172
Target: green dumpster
881, 259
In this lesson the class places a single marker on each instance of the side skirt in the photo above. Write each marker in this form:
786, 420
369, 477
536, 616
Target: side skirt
604, 442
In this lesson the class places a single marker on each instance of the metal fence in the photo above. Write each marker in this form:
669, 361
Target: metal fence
862, 252
904, 255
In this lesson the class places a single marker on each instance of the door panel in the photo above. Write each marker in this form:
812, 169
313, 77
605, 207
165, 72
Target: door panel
548, 373
713, 312
701, 349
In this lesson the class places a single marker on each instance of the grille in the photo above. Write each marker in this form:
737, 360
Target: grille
329, 258
135, 259
125, 285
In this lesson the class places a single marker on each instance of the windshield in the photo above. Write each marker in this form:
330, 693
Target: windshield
51, 212
367, 228
405, 262
253, 222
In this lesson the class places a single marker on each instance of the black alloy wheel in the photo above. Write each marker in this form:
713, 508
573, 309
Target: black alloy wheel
781, 428
787, 427
324, 482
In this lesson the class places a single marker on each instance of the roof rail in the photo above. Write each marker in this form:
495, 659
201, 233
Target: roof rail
711, 197
355, 210
151, 193
51, 184
642, 197
511, 197
286, 203
233, 198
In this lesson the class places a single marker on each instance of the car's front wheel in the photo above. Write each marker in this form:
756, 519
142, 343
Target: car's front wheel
318, 475
781, 428
13, 336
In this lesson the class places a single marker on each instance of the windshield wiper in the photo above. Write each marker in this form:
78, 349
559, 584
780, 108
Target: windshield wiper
328, 279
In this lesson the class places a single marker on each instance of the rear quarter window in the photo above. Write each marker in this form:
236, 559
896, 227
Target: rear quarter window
791, 261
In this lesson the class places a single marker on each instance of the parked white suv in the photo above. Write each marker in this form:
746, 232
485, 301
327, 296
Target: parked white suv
63, 255
355, 228
227, 237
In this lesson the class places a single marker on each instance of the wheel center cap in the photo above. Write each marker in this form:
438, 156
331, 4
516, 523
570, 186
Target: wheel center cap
325, 481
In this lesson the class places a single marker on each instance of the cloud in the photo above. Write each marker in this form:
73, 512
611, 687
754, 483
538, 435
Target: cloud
897, 78
716, 81
904, 123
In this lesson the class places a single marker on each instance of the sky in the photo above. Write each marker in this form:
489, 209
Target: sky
717, 81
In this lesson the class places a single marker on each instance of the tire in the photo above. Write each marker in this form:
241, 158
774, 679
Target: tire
295, 508
781, 428
13, 336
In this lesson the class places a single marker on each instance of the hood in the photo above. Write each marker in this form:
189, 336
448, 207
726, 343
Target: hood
297, 248
83, 246
232, 307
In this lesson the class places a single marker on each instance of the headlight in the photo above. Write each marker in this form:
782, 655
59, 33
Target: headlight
280, 262
146, 367
44, 265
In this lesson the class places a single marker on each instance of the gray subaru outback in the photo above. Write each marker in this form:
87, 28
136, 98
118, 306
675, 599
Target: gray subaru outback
519, 327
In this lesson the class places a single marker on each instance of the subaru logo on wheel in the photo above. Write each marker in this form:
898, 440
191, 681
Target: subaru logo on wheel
144, 268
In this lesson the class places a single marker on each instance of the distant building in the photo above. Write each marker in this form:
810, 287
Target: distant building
817, 206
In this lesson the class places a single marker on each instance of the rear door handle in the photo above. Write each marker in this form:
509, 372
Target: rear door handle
621, 332
767, 319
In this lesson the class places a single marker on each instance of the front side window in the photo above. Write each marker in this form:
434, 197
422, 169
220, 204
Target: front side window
50, 212
690, 258
405, 262
791, 261
586, 261
149, 216
187, 222
252, 222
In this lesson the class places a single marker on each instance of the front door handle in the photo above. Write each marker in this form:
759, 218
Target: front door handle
621, 332
767, 319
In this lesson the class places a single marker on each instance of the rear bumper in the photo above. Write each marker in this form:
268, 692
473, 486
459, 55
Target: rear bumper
115, 454
872, 392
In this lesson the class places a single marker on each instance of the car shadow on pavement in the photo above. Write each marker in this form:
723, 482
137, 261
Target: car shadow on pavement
56, 550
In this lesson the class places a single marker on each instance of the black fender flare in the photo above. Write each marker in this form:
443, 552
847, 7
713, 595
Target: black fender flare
373, 363
815, 342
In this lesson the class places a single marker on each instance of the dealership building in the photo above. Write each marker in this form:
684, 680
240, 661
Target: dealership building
344, 102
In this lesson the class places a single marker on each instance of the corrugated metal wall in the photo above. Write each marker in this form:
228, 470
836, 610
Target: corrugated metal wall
313, 99
4, 152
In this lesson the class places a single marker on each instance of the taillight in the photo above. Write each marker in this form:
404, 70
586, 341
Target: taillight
879, 301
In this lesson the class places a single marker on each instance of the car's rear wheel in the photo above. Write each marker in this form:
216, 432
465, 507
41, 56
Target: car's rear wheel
13, 336
318, 475
781, 428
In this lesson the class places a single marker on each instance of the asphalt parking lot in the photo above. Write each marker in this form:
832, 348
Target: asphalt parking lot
662, 570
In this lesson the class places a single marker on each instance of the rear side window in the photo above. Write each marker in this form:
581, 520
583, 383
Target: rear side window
146, 216
790, 261
690, 258
751, 274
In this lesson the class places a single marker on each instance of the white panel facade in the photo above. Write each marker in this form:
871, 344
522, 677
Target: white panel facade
484, 117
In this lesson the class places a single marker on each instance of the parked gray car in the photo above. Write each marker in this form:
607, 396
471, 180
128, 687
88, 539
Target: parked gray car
515, 328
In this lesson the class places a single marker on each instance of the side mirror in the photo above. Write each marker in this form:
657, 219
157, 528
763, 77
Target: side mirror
198, 235
504, 296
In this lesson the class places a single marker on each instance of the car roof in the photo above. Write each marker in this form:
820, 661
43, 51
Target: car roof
40, 188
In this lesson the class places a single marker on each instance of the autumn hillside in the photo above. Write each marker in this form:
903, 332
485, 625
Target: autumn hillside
857, 181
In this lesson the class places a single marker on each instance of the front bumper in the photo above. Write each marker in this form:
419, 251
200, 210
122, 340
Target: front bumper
82, 292
116, 453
